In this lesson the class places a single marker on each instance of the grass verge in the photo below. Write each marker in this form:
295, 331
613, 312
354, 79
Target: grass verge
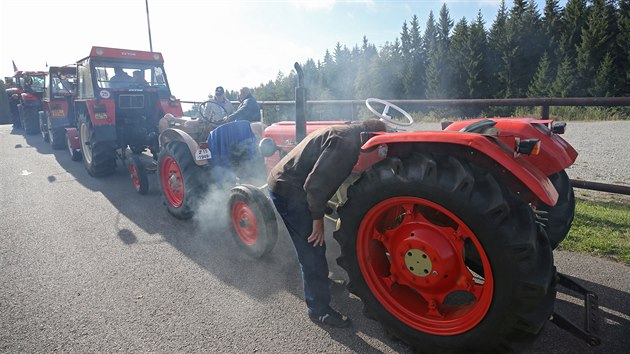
600, 228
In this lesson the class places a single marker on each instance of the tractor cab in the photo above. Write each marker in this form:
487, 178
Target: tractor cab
57, 112
25, 99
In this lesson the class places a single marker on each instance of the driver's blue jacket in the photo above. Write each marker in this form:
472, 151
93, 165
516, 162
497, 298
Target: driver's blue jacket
247, 110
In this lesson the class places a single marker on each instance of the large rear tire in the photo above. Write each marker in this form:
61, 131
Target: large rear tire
252, 219
446, 257
560, 216
99, 158
57, 138
180, 180
30, 120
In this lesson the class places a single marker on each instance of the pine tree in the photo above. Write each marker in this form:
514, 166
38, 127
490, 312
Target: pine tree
479, 76
460, 57
551, 28
623, 49
573, 21
438, 68
597, 40
541, 84
565, 82
499, 43
603, 83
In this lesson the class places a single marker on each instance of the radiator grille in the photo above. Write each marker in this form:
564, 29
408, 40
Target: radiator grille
131, 101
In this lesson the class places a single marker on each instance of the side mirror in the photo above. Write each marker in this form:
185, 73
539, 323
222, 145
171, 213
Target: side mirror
267, 147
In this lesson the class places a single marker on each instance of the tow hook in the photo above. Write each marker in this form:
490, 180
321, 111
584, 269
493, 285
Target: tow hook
590, 332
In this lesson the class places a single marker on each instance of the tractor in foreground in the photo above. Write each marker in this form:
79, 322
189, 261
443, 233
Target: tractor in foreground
25, 99
447, 236
121, 96
57, 112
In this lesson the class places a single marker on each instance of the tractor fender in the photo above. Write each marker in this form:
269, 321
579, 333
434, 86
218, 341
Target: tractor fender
511, 165
173, 134
555, 155
74, 138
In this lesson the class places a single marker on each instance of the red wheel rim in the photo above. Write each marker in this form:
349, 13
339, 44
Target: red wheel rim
172, 182
244, 222
134, 176
412, 254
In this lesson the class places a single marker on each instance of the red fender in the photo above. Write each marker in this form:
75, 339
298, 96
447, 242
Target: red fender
555, 153
532, 177
74, 138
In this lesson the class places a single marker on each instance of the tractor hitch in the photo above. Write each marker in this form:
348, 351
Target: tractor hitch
590, 332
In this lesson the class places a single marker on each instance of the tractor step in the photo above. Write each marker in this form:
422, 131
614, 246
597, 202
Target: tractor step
590, 332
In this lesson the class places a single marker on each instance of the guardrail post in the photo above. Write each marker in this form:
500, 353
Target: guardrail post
544, 114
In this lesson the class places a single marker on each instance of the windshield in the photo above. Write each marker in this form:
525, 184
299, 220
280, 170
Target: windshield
32, 83
130, 75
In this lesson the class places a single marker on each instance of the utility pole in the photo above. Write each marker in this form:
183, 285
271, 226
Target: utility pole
149, 25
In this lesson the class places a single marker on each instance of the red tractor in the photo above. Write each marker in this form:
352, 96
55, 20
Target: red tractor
447, 236
25, 99
57, 112
121, 96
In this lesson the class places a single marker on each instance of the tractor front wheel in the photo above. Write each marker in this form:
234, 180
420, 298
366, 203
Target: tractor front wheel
253, 220
75, 155
138, 175
445, 256
180, 179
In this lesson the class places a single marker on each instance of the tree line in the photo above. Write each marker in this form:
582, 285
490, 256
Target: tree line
580, 50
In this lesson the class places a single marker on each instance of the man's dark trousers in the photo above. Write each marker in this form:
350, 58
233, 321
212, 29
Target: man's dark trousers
297, 218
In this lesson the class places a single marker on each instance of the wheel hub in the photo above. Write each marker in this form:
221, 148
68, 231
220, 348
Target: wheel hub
174, 183
424, 257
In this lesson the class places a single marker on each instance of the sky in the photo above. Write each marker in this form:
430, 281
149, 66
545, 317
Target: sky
211, 43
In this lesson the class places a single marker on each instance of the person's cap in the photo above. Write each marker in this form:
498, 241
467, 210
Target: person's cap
219, 91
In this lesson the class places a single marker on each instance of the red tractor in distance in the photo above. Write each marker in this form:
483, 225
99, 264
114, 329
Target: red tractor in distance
121, 96
57, 112
447, 236
25, 99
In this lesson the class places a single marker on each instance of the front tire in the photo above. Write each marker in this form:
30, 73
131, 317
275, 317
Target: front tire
444, 256
75, 155
138, 175
253, 222
180, 179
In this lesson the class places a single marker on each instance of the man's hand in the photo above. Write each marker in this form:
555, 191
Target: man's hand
317, 237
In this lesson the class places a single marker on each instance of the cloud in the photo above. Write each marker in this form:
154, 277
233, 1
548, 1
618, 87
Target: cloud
313, 4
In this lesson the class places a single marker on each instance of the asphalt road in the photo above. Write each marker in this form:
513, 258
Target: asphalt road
88, 265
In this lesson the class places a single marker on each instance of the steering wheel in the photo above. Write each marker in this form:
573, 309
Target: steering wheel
212, 112
387, 118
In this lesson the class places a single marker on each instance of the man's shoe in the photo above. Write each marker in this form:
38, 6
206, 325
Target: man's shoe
332, 318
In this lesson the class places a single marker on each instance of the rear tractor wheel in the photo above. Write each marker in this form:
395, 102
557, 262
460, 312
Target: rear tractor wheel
99, 158
444, 256
180, 179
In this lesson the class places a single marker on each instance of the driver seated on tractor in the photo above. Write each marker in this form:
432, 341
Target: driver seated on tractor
120, 79
138, 79
223, 106
248, 110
